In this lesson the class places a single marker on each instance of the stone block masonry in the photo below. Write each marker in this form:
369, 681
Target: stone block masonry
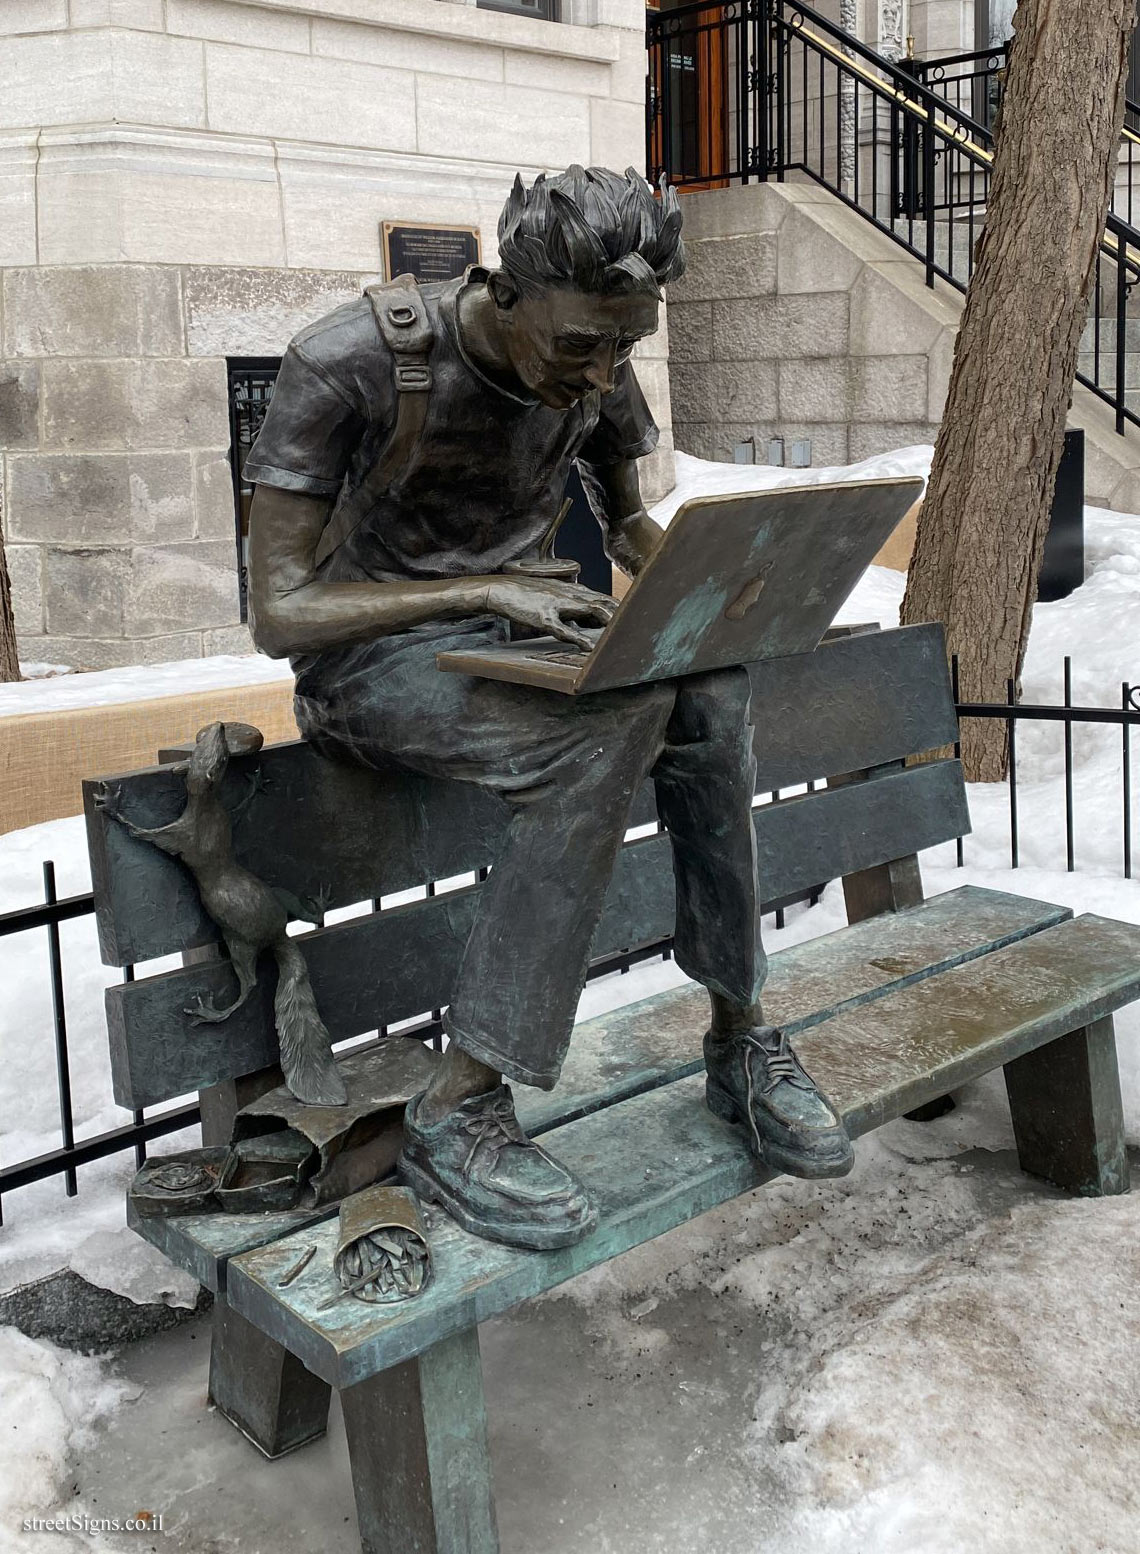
114, 429
183, 181
773, 336
115, 480
797, 319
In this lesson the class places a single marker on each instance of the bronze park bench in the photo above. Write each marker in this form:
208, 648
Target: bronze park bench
913, 999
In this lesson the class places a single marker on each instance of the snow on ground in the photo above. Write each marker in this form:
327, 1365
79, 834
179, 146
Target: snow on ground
50, 1405
939, 1380
51, 688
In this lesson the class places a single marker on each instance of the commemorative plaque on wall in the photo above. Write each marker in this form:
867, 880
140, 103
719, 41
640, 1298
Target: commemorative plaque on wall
430, 253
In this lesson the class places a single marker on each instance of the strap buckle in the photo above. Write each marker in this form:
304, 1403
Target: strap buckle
413, 377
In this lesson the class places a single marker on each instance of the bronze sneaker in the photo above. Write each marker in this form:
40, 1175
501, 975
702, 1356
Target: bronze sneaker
756, 1079
479, 1164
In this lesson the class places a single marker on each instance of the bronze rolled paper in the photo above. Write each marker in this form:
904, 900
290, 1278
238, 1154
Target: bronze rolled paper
382, 1252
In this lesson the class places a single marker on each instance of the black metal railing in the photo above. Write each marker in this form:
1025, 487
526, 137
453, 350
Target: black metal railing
71, 1153
971, 83
1012, 713
754, 90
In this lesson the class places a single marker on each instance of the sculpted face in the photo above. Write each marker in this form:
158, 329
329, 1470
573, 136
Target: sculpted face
566, 342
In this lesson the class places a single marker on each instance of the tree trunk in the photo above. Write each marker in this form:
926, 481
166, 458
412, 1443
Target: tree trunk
9, 663
982, 527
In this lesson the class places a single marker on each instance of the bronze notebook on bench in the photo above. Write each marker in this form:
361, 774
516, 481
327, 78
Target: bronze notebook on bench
736, 579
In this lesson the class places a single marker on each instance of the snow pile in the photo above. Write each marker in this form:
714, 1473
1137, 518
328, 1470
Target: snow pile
36, 671
43, 1229
932, 1379
51, 1402
981, 1403
700, 477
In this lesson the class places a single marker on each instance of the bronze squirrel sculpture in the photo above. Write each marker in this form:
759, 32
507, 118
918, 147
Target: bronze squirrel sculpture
252, 916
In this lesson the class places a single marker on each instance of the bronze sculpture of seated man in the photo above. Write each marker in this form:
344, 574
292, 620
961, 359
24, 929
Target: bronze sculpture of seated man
417, 441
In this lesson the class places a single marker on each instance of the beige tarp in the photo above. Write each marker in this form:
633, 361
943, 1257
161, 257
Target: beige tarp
45, 755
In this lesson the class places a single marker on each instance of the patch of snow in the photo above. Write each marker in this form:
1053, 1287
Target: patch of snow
699, 477
978, 1402
51, 1404
44, 671
66, 691
935, 1380
43, 1229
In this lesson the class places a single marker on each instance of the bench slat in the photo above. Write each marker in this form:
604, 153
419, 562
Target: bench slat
390, 966
660, 1159
857, 702
658, 1040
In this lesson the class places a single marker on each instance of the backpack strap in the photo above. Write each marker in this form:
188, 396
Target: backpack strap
406, 328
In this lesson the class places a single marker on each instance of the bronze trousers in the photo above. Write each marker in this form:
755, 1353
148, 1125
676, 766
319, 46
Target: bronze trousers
568, 768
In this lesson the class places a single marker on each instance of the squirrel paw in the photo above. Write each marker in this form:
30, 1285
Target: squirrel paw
317, 904
204, 1011
108, 798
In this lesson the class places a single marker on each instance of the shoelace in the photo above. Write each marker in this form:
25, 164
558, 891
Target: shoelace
495, 1130
781, 1063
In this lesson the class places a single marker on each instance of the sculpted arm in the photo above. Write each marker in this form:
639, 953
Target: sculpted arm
292, 611
630, 534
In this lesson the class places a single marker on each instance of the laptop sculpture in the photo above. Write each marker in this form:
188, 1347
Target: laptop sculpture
735, 579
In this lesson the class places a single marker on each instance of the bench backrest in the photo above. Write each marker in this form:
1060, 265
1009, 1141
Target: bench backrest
860, 704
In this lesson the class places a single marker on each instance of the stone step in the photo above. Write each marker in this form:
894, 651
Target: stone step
952, 249
1106, 376
1108, 337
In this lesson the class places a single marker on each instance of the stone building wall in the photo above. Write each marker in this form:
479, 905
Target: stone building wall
186, 180
789, 323
797, 319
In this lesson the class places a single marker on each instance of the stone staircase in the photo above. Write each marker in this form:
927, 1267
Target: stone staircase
800, 320
1097, 361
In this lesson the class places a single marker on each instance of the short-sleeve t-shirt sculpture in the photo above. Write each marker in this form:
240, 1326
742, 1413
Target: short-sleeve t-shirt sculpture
487, 474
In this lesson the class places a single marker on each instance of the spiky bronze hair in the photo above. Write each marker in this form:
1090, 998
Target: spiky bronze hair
591, 229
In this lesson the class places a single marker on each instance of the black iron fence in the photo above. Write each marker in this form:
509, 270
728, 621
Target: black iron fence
1014, 713
971, 83
754, 90
45, 917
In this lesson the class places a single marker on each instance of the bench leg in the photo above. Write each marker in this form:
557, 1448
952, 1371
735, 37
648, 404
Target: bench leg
263, 1389
1067, 1119
417, 1441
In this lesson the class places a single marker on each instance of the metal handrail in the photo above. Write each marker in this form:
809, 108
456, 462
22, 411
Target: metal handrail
837, 42
801, 95
1000, 53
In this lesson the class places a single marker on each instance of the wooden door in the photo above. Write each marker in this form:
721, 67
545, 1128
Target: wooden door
688, 82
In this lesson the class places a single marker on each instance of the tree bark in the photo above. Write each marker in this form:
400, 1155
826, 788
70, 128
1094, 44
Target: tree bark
9, 663
983, 524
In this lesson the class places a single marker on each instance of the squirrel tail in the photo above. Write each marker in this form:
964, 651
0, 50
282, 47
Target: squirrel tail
306, 1052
